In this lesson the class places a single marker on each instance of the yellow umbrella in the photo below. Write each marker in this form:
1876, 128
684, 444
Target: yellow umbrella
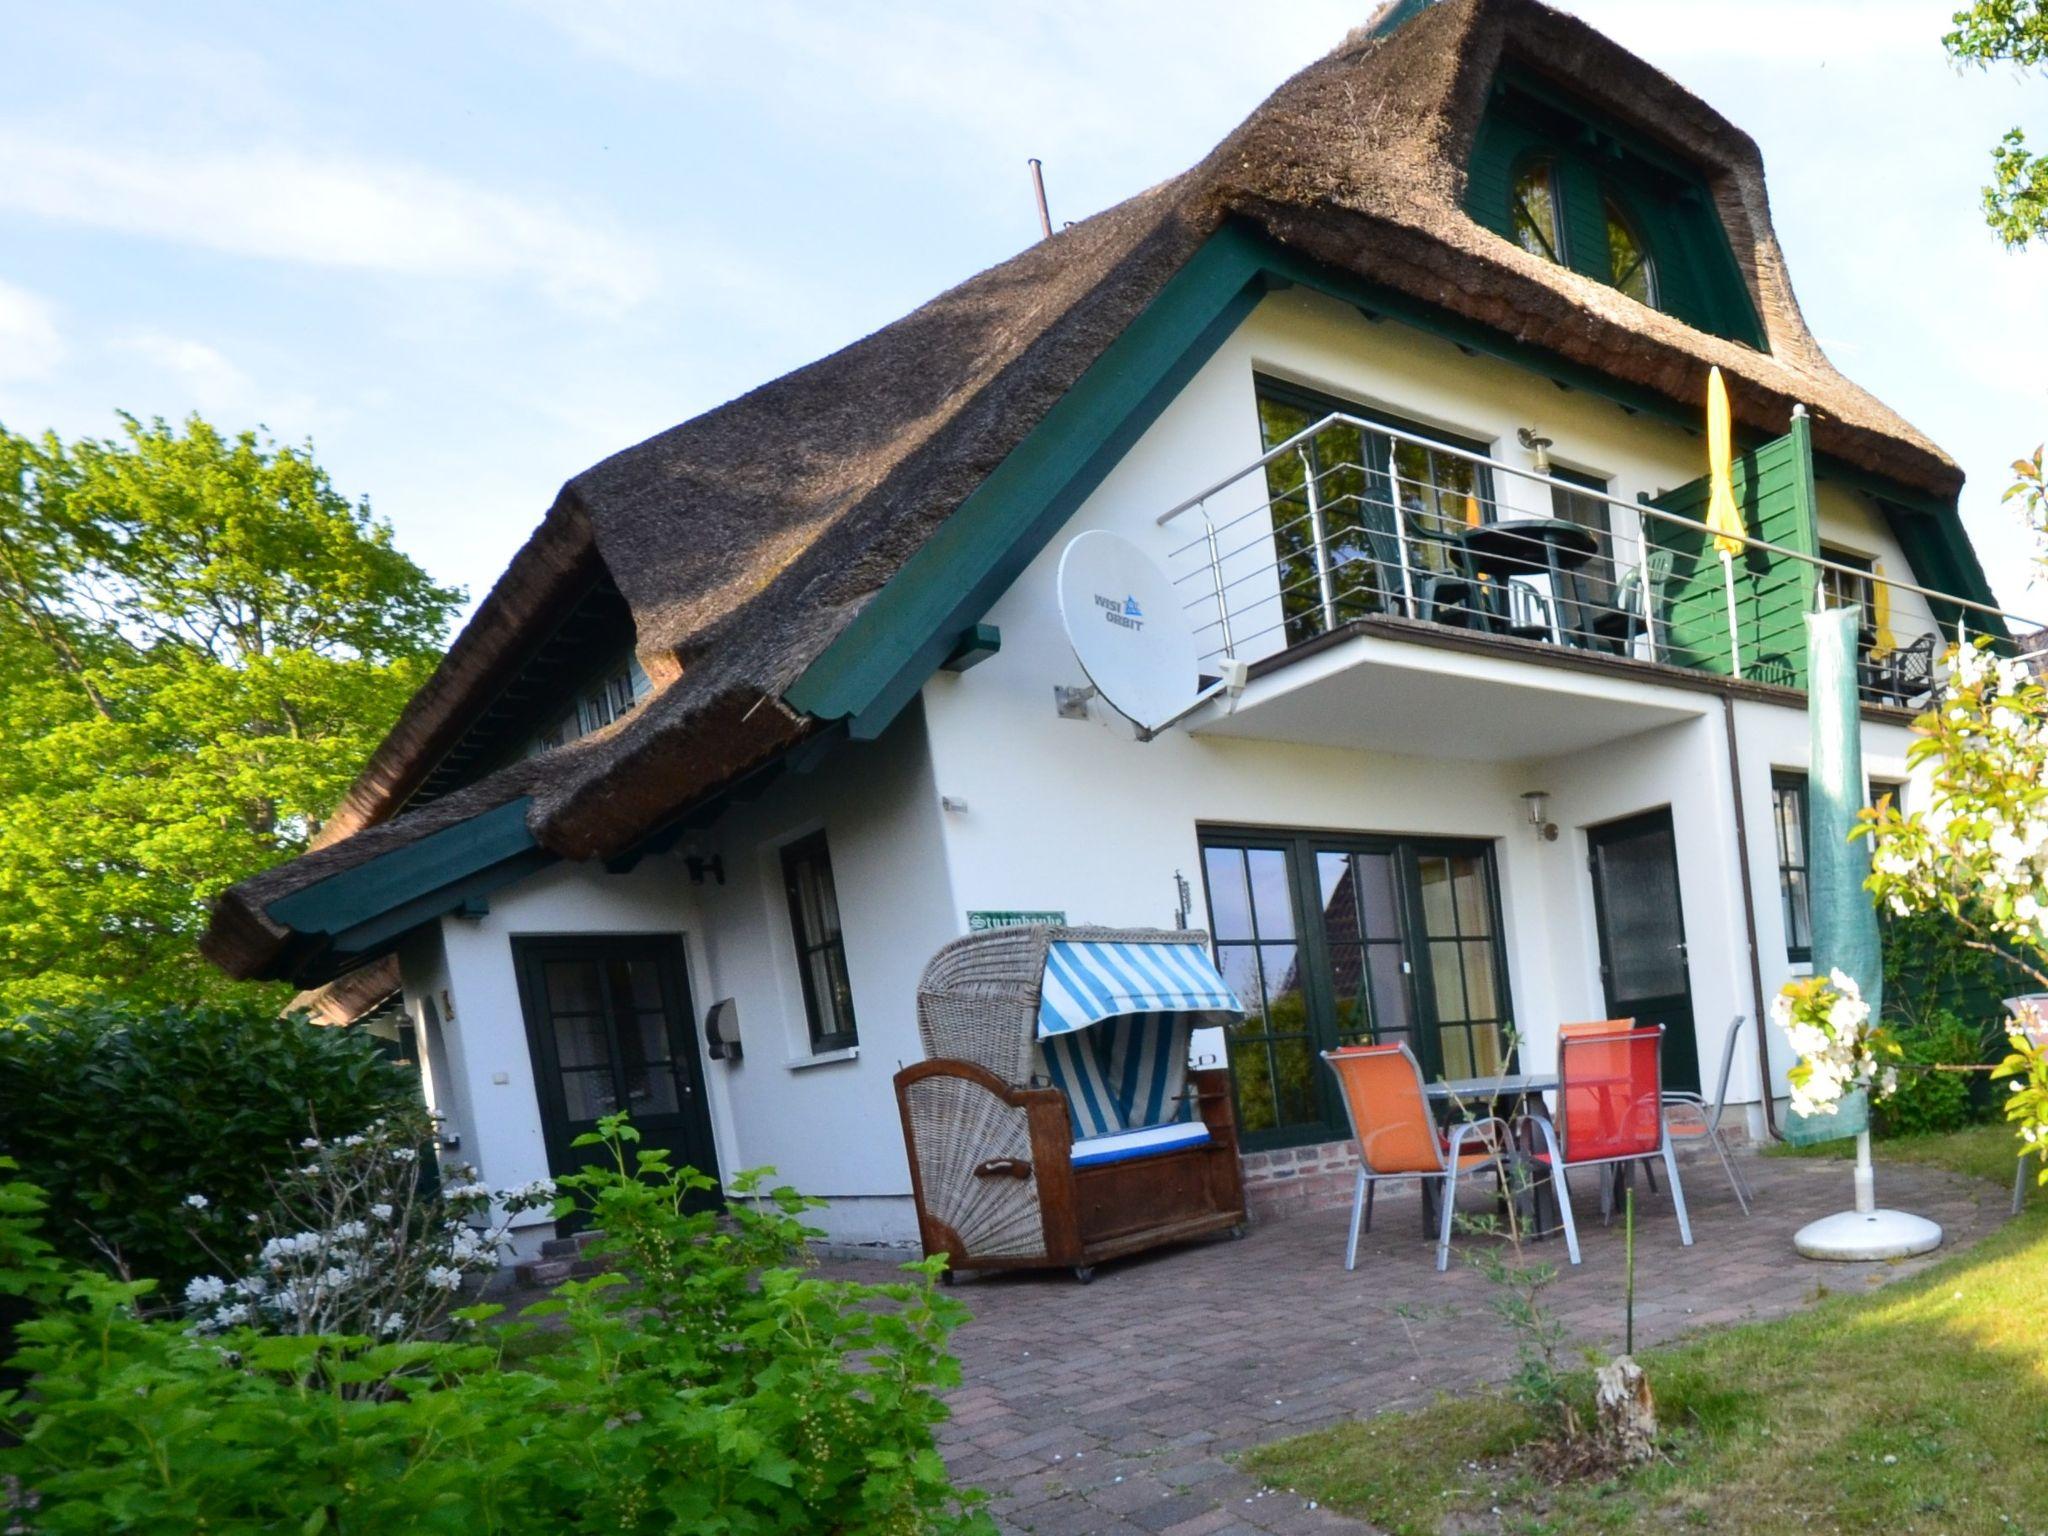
1882, 641
1723, 516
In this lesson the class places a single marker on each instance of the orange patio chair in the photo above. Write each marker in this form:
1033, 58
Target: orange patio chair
1610, 1110
1398, 1136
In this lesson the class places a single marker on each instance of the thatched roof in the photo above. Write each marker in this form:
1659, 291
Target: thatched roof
746, 539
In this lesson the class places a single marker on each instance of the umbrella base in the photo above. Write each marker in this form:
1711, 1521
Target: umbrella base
1853, 1235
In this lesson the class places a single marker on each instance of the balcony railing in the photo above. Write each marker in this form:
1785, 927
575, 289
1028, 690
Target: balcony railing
1350, 519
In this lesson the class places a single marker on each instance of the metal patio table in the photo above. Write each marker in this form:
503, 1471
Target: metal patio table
1528, 1087
1527, 546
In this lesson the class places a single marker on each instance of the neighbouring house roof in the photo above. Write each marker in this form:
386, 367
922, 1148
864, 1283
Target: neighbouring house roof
351, 996
746, 541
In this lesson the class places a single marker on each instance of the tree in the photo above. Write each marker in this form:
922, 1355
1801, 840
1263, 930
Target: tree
1977, 851
2008, 32
201, 640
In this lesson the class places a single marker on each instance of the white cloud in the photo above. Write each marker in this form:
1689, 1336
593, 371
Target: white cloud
278, 203
30, 344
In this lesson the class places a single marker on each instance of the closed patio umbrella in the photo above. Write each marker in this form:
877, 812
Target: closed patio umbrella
1882, 641
1723, 516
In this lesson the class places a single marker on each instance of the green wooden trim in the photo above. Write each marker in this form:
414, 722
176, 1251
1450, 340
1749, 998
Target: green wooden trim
976, 645
880, 661
465, 896
440, 859
1773, 488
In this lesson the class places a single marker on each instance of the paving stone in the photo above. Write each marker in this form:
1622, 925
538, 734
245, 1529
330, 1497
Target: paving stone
1171, 1361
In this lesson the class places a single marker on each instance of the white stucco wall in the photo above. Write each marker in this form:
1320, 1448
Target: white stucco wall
1076, 816
1080, 817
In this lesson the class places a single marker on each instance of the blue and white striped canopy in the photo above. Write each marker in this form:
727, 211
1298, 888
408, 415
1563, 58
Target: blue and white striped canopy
1087, 982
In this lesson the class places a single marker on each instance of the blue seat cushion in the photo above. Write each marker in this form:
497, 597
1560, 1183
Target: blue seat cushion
1148, 1141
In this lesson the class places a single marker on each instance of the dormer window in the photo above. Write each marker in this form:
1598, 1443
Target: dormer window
1629, 266
1532, 213
1573, 185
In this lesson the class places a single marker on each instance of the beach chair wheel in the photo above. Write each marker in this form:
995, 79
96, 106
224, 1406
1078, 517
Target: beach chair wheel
1240, 1232
1084, 1273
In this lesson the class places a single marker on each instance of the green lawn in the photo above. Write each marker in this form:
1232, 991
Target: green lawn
1921, 1408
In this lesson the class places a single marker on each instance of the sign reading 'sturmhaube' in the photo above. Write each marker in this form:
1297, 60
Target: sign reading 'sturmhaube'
982, 922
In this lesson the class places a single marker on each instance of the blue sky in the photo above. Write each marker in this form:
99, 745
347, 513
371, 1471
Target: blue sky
471, 248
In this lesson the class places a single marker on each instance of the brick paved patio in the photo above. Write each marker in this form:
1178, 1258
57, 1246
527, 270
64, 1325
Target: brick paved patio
1112, 1408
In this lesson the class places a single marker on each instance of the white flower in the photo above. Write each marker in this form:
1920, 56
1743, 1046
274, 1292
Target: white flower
231, 1316
351, 1231
204, 1290
391, 1322
442, 1278
403, 1154
311, 1144
381, 1211
197, 1202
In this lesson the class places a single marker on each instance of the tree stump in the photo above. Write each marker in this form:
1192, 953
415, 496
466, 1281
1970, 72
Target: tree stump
1627, 1410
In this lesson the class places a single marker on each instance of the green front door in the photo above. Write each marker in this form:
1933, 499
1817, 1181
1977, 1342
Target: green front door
1334, 938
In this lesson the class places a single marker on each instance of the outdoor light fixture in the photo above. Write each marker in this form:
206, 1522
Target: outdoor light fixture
1540, 446
1538, 802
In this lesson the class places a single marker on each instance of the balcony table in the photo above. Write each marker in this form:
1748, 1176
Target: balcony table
1526, 546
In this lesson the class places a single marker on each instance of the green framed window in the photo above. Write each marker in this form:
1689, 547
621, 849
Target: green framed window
1788, 817
820, 944
1333, 938
1533, 209
1630, 267
1383, 503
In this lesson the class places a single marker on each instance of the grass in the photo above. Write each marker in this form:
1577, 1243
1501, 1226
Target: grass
1920, 1408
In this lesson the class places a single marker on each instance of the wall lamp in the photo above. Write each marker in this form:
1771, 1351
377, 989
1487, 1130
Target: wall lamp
1538, 803
1540, 446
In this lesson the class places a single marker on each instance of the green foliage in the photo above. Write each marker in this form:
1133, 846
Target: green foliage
2008, 32
200, 642
123, 1114
714, 1386
1927, 1100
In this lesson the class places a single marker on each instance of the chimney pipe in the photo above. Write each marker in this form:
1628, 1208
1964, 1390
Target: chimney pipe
1038, 191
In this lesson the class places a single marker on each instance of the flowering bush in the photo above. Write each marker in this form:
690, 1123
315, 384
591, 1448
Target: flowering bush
121, 1115
713, 1385
1840, 1050
354, 1241
1978, 851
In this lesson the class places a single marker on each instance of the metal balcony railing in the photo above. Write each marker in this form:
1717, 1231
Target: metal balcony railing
1349, 519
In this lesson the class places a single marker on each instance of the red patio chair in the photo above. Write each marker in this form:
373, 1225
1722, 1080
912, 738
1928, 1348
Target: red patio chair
1609, 1111
1398, 1136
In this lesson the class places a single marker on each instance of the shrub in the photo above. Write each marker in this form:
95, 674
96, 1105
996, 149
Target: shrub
713, 1386
356, 1241
1927, 1100
121, 1116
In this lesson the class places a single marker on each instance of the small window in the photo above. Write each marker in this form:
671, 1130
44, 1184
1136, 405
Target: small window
820, 947
1532, 213
1788, 811
1629, 266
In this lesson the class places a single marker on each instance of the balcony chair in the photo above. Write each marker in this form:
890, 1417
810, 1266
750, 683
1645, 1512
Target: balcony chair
1609, 1113
1055, 1122
1687, 1116
1630, 615
1398, 1137
1905, 674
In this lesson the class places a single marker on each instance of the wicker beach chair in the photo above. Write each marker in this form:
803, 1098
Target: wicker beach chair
1092, 1143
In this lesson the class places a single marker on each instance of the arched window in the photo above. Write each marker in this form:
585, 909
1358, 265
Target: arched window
1532, 210
1629, 265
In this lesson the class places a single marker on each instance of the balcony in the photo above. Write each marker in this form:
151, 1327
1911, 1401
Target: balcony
1356, 537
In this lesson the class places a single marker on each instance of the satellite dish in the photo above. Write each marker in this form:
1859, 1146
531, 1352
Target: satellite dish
1129, 630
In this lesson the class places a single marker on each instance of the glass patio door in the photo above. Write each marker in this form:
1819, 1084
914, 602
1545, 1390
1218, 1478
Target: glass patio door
1333, 939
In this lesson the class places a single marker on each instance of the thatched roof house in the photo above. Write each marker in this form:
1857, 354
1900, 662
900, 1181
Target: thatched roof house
800, 559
